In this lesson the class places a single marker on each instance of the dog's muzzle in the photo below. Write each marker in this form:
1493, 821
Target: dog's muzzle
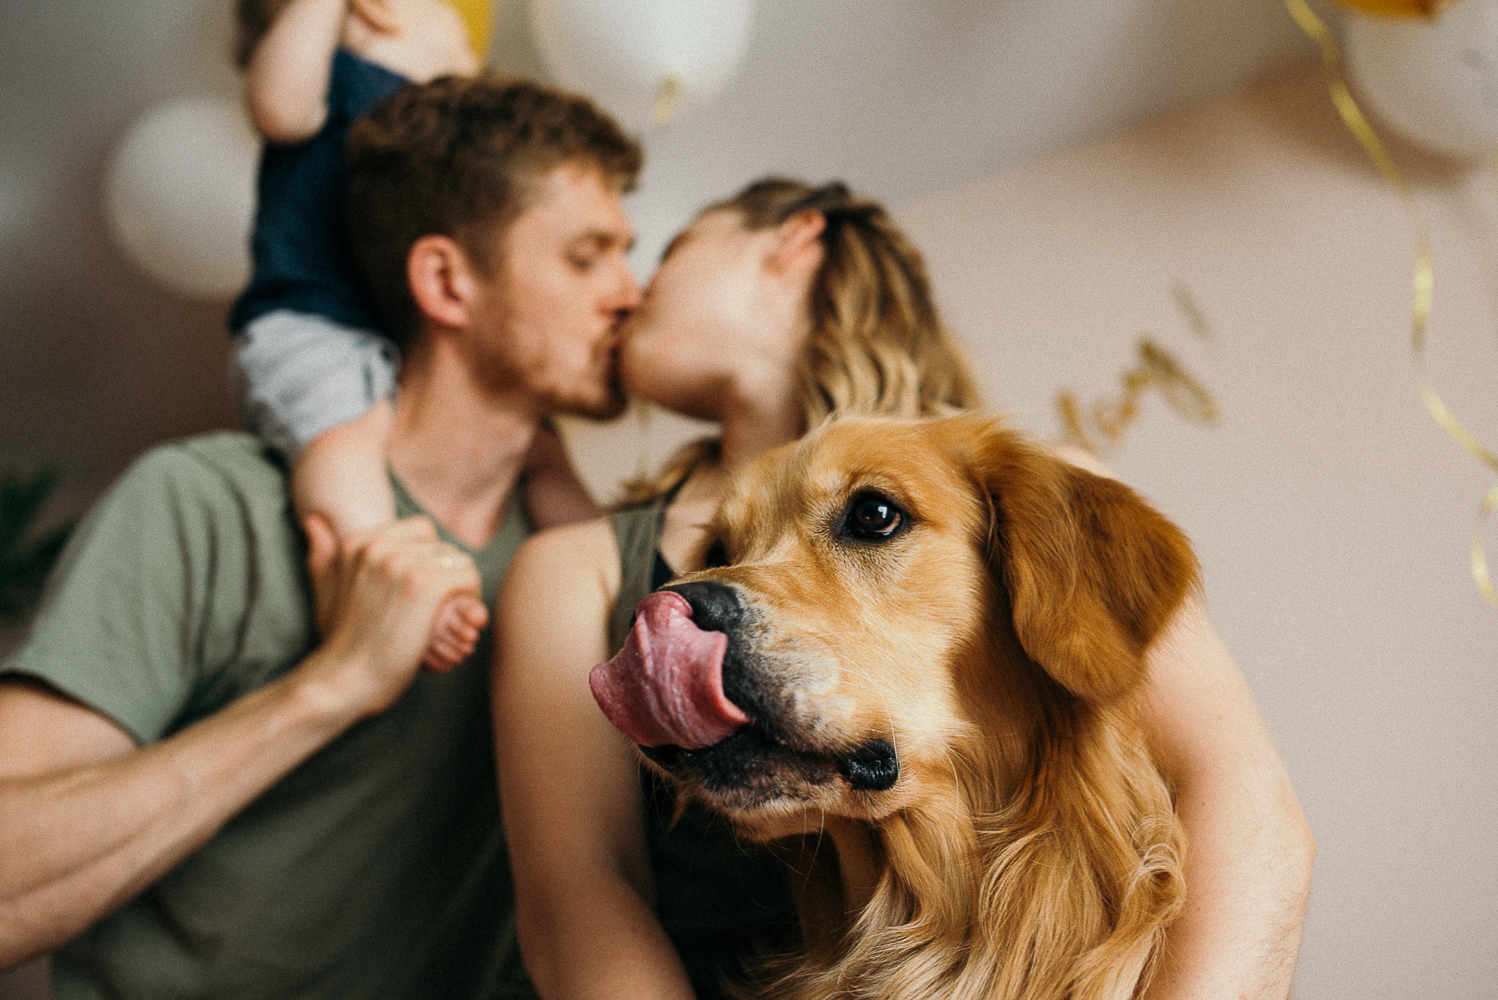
670, 691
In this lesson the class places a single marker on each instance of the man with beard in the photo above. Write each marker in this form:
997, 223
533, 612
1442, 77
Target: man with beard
215, 783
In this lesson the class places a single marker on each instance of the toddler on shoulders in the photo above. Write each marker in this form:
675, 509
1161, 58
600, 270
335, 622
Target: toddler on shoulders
313, 376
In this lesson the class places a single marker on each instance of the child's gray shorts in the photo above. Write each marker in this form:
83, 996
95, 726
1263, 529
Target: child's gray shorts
298, 374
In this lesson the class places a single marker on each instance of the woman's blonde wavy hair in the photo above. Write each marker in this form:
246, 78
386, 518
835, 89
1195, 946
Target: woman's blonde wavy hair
877, 344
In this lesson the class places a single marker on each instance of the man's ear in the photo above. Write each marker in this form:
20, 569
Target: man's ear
378, 15
799, 241
441, 279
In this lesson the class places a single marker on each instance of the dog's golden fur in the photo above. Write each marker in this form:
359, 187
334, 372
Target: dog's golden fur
952, 703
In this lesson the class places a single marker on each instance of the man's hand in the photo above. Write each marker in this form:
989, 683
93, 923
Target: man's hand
88, 819
377, 596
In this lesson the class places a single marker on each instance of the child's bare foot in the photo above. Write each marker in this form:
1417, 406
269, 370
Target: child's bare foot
455, 632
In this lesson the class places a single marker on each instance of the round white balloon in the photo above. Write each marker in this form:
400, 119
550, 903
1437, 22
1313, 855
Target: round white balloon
180, 194
621, 53
1434, 81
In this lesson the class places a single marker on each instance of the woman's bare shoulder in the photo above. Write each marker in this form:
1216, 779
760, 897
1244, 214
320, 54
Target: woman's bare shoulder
593, 537
564, 559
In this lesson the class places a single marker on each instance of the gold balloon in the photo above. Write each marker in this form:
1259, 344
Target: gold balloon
479, 16
1398, 8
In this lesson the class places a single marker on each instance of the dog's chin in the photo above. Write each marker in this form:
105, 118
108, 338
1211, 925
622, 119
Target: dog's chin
747, 772
767, 784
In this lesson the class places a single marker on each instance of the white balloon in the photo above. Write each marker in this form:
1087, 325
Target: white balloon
180, 195
622, 53
1434, 81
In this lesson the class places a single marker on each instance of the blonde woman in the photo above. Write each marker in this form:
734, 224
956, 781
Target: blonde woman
770, 312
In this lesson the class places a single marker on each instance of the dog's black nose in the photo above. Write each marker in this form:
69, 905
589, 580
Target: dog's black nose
715, 608
873, 767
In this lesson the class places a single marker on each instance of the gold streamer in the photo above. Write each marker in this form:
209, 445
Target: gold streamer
1398, 8
666, 97
1157, 368
1479, 560
1424, 284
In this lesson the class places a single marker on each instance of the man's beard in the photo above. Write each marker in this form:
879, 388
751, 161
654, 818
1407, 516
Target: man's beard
608, 408
601, 396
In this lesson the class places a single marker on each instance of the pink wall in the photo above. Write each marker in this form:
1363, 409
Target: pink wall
1332, 515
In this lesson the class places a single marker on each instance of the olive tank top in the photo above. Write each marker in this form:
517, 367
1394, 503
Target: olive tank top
723, 902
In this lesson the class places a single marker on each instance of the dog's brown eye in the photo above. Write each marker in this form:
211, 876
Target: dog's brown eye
716, 555
873, 517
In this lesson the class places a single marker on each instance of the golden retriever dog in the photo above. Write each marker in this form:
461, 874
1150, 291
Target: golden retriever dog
924, 642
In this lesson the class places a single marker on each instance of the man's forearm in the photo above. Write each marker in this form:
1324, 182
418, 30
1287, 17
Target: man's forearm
1248, 849
77, 843
81, 833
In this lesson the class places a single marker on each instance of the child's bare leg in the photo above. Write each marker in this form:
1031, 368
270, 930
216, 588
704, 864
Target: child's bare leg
341, 476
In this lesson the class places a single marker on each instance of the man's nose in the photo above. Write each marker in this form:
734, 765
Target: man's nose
627, 294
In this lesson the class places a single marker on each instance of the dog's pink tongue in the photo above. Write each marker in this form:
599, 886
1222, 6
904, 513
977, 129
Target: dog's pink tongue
666, 684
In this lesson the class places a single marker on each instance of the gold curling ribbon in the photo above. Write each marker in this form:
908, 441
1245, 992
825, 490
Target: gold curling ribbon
1398, 8
1424, 284
667, 96
1157, 368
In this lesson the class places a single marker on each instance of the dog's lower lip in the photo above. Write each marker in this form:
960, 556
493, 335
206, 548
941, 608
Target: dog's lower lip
667, 755
671, 750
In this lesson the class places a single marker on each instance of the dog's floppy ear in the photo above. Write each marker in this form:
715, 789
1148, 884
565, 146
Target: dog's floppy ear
1092, 571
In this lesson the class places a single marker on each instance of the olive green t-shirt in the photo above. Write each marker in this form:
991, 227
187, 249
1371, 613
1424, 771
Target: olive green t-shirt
375, 869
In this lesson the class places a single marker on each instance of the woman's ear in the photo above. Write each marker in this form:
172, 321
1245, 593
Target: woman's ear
378, 15
799, 241
441, 280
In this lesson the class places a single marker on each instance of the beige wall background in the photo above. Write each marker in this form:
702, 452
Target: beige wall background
1332, 514
1022, 144
1254, 241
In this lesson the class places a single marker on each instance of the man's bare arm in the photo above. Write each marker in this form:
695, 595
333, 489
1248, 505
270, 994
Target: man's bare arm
88, 820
